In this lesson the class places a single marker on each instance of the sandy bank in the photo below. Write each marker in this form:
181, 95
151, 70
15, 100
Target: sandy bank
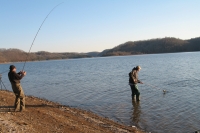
42, 116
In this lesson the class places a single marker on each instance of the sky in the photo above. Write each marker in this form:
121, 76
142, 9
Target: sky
94, 25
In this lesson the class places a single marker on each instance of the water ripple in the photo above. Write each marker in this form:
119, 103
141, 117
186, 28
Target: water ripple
101, 85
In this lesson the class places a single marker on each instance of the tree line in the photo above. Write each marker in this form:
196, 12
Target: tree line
16, 55
153, 46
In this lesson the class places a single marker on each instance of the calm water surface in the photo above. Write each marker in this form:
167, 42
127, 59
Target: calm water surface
101, 85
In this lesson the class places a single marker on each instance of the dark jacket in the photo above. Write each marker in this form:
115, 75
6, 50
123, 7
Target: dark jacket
133, 77
15, 77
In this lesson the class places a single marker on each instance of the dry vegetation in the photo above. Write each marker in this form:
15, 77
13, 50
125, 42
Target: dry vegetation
16, 55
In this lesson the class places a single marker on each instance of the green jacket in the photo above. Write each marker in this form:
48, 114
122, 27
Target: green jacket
133, 77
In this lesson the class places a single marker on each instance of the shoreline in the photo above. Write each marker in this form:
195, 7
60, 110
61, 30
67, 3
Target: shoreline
42, 115
28, 61
44, 60
99, 57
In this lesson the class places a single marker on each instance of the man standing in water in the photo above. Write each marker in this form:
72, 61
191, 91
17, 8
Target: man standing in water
17, 89
133, 80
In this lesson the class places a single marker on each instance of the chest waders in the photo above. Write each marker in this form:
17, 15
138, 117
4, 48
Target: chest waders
135, 92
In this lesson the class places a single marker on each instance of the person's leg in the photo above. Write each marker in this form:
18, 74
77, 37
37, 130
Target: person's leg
17, 103
133, 92
22, 103
137, 92
22, 98
17, 99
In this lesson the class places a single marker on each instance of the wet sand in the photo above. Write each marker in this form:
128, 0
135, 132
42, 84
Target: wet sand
43, 116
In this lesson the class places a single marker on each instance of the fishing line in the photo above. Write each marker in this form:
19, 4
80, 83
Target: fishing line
38, 32
36, 36
1, 83
4, 72
32, 43
194, 78
164, 91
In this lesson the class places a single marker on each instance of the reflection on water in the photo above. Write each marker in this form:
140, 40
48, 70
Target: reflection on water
101, 85
136, 113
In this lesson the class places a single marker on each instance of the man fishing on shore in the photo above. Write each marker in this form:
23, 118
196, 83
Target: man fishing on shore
133, 80
17, 88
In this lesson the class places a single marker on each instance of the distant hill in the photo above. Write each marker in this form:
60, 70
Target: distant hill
16, 55
103, 52
152, 46
93, 54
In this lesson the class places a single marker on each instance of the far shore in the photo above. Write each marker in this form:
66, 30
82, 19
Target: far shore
96, 57
28, 61
43, 60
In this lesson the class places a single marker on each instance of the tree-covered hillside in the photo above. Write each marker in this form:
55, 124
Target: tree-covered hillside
152, 46
163, 45
16, 55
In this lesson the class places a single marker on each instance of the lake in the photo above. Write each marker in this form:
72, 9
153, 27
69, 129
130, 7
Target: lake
101, 86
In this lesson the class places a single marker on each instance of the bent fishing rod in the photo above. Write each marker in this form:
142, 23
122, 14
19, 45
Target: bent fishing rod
38, 32
36, 36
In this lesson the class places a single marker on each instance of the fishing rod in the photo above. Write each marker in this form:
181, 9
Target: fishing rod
38, 32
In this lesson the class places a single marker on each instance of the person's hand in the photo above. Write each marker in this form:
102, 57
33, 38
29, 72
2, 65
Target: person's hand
24, 73
141, 83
